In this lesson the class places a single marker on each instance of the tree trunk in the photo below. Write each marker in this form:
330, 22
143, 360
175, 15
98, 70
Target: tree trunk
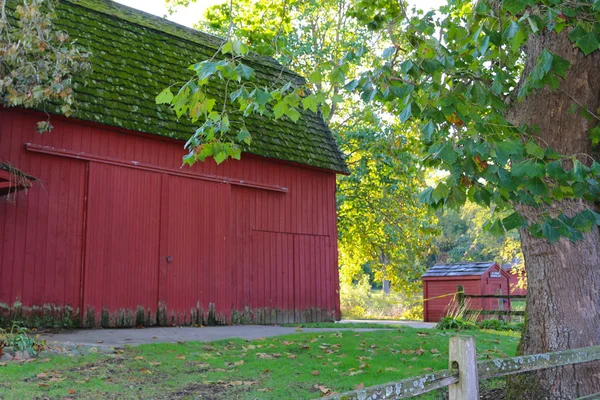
563, 299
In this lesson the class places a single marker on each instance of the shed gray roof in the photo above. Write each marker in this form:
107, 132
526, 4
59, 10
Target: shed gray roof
459, 269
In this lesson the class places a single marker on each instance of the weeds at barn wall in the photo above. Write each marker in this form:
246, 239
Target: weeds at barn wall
56, 316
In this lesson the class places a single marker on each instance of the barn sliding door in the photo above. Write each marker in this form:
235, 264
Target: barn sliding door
122, 246
195, 281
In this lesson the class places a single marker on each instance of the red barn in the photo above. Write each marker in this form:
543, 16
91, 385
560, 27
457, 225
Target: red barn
441, 281
117, 233
516, 286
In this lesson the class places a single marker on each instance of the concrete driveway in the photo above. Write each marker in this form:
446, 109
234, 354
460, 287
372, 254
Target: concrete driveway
122, 337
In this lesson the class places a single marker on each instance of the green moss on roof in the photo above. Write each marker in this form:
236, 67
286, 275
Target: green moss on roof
136, 55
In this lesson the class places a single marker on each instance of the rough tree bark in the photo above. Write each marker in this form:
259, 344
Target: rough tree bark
563, 300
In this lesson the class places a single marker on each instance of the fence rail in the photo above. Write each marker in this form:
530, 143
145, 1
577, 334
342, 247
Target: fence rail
462, 296
462, 378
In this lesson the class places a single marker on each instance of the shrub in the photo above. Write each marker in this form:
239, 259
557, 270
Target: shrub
360, 302
499, 325
17, 338
455, 323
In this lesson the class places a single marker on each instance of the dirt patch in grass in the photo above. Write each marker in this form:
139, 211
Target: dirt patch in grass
200, 391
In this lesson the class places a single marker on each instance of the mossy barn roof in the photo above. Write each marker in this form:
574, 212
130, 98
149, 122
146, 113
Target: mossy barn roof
136, 55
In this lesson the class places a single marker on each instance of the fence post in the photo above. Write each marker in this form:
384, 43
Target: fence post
462, 356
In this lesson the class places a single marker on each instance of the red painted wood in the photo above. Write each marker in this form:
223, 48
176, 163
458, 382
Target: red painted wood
97, 235
435, 309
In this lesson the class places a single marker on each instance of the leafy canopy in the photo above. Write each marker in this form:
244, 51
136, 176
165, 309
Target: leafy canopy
37, 62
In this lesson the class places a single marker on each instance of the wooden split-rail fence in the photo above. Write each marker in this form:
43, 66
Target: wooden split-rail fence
464, 372
461, 298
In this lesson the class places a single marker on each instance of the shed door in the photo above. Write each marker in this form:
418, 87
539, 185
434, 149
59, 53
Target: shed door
194, 258
123, 221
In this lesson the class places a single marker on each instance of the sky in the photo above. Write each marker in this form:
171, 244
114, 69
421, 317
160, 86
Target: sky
190, 15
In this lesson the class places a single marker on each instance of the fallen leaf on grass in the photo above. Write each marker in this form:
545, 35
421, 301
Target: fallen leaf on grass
42, 375
238, 363
322, 388
359, 386
145, 371
180, 357
435, 351
138, 358
264, 390
2, 364
420, 351
71, 391
43, 385
292, 356
356, 372
315, 373
264, 355
155, 363
427, 369
392, 369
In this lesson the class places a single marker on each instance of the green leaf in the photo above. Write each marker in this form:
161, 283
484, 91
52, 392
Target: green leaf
440, 192
426, 196
514, 6
534, 150
527, 168
220, 157
388, 52
401, 91
495, 228
537, 187
446, 153
165, 97
577, 33
293, 114
549, 232
280, 109
595, 135
244, 71
588, 43
337, 75
244, 136
513, 221
316, 77
427, 130
533, 25
406, 113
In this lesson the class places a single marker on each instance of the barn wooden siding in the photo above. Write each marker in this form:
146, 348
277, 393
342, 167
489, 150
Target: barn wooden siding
120, 235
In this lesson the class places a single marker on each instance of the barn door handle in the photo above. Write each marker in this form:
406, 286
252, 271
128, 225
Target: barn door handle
169, 259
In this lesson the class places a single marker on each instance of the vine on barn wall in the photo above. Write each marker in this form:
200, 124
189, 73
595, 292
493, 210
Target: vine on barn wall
37, 61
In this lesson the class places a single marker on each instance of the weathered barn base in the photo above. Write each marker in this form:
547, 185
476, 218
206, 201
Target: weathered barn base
57, 316
46, 316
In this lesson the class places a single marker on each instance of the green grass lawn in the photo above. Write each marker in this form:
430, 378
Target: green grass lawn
301, 366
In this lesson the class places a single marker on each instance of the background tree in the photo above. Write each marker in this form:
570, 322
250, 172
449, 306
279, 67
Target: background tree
463, 238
